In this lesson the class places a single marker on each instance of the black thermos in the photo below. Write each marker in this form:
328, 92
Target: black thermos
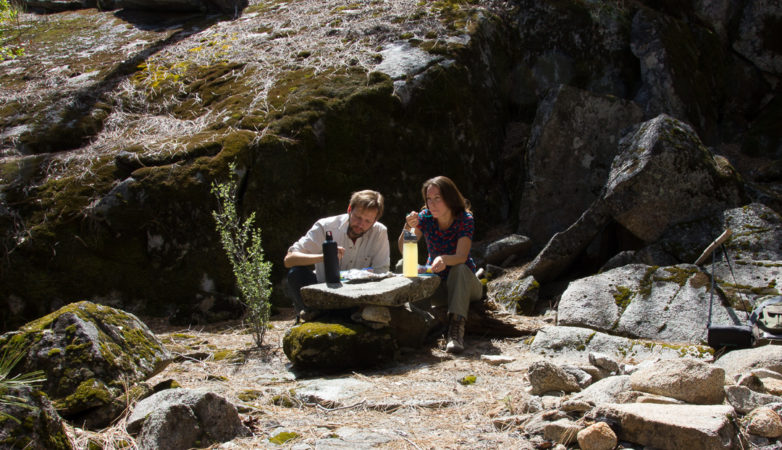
330, 259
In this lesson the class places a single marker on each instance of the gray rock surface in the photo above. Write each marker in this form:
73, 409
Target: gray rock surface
184, 418
547, 377
689, 380
500, 250
758, 20
673, 426
574, 344
744, 399
666, 152
400, 59
392, 291
564, 247
343, 392
738, 362
756, 228
350, 437
665, 89
574, 139
665, 303
606, 390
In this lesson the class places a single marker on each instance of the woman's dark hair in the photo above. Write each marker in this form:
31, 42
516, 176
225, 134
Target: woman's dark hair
453, 199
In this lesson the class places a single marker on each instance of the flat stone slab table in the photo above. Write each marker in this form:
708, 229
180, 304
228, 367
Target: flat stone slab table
392, 291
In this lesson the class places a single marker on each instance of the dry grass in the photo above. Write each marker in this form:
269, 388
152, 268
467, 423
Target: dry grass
72, 52
417, 401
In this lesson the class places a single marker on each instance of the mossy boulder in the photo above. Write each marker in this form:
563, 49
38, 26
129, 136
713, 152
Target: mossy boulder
333, 347
92, 356
518, 296
35, 427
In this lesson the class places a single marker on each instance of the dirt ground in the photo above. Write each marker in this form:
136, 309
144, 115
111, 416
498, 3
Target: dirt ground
435, 409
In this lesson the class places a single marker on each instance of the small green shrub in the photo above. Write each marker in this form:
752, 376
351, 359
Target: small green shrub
8, 14
242, 244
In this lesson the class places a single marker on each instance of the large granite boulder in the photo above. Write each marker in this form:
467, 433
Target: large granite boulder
574, 139
110, 151
332, 347
90, 355
659, 303
184, 418
663, 175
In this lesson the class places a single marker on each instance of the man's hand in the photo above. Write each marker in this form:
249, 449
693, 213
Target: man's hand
340, 252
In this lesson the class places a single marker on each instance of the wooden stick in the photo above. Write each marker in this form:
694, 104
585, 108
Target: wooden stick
723, 237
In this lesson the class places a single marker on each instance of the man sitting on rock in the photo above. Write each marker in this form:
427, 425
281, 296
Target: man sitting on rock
362, 242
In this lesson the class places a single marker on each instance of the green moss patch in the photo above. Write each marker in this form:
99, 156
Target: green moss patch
283, 437
337, 346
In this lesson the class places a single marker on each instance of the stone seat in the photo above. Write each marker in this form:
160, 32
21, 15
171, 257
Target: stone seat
392, 291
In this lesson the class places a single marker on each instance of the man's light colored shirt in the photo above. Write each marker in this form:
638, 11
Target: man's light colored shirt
370, 250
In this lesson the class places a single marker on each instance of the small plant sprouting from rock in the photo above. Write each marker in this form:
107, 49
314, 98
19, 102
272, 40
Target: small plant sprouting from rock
12, 354
242, 244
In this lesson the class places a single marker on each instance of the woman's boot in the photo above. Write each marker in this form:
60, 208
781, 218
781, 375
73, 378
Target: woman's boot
456, 334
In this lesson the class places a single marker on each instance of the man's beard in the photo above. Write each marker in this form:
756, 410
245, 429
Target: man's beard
353, 235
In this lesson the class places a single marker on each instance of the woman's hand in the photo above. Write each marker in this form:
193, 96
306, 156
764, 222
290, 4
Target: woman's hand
412, 219
438, 264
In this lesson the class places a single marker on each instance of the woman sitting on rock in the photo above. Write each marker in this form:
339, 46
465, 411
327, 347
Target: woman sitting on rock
447, 224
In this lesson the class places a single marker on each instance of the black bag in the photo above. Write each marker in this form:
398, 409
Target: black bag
726, 336
730, 336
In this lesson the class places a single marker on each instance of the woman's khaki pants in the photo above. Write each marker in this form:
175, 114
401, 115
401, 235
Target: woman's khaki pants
461, 288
